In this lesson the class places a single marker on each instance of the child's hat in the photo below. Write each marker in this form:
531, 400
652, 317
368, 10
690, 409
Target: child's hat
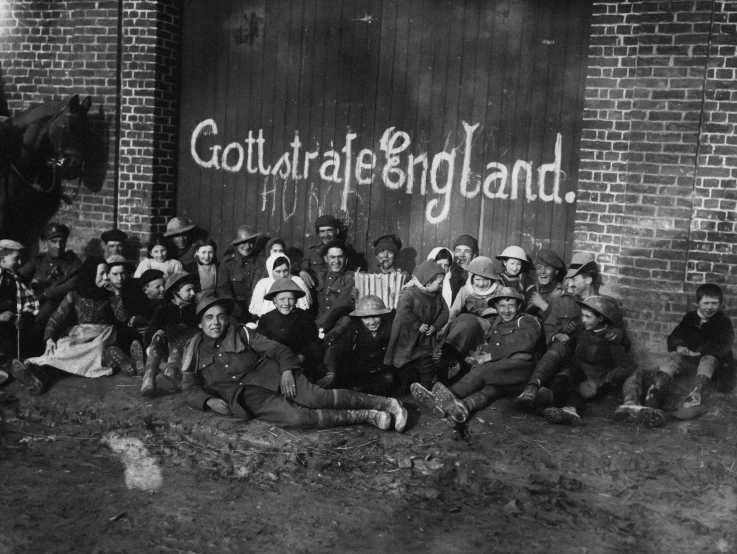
178, 278
284, 285
388, 242
427, 270
483, 267
368, 306
601, 305
515, 252
150, 275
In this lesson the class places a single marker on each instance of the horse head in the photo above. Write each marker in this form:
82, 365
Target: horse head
65, 135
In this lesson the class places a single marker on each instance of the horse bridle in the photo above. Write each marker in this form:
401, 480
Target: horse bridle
56, 162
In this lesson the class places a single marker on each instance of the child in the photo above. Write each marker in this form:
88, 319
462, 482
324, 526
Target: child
173, 324
421, 313
702, 341
204, 265
158, 251
18, 304
275, 246
516, 271
444, 257
278, 267
593, 361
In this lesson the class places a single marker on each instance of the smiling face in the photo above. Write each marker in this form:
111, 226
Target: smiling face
326, 234
507, 308
335, 258
159, 253
545, 273
372, 322
285, 302
214, 322
708, 306
580, 286
463, 255
481, 283
154, 290
385, 258
512, 266
245, 249
205, 255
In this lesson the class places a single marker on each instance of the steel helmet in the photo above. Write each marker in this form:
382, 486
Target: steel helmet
368, 306
517, 253
601, 305
506, 292
483, 267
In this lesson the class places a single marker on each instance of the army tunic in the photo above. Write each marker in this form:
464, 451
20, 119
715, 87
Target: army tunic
334, 297
237, 277
55, 276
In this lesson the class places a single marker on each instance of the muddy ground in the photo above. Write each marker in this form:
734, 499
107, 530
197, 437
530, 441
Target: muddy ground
505, 482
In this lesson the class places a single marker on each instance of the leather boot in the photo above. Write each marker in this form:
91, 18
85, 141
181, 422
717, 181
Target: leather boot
29, 376
525, 402
138, 358
170, 379
566, 415
477, 401
117, 358
427, 400
381, 403
151, 370
693, 407
654, 396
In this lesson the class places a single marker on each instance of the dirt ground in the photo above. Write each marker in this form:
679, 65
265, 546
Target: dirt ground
506, 482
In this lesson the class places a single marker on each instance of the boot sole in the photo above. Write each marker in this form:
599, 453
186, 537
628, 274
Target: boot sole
444, 397
640, 415
524, 404
426, 400
561, 417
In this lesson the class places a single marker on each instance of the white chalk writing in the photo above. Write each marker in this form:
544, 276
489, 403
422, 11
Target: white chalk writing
401, 169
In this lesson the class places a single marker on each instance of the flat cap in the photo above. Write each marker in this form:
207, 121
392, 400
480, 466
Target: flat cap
115, 235
7, 244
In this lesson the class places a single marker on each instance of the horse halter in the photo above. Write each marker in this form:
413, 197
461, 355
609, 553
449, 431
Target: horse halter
60, 154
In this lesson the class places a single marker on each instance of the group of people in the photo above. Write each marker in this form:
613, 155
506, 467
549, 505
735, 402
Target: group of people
273, 333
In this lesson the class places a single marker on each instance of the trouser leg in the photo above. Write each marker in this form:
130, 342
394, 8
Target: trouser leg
312, 396
560, 386
707, 366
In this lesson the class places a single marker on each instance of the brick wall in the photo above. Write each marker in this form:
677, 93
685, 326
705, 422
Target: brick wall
50, 50
656, 192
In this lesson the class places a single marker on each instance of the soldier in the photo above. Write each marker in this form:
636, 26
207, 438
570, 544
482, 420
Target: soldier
179, 231
502, 365
52, 274
114, 239
240, 271
18, 304
336, 290
327, 228
356, 347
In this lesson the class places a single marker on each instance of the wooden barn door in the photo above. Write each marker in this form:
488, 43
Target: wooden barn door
425, 118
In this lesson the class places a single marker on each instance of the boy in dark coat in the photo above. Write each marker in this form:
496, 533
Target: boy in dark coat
356, 347
421, 313
702, 341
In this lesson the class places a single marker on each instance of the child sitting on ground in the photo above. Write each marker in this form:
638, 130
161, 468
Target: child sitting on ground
516, 272
701, 341
593, 364
421, 313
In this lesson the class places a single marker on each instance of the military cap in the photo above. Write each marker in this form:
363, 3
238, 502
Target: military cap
326, 220
506, 292
114, 235
209, 300
388, 242
54, 230
244, 233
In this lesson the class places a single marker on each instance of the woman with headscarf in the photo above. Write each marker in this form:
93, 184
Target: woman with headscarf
278, 266
91, 313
